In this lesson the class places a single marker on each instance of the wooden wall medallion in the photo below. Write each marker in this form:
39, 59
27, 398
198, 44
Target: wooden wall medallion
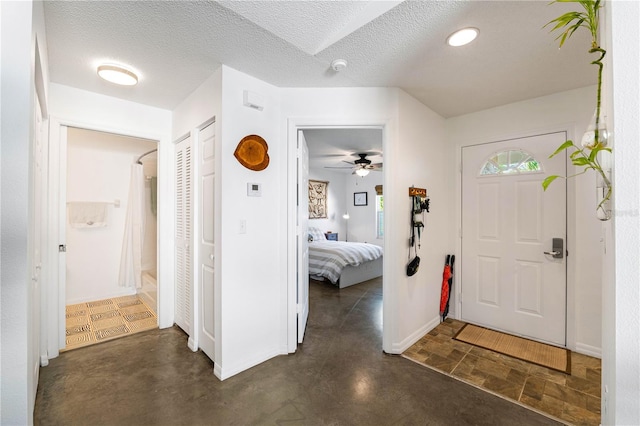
251, 152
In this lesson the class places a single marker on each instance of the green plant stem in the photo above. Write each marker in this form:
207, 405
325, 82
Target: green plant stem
598, 62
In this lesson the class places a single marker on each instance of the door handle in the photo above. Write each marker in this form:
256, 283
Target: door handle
557, 248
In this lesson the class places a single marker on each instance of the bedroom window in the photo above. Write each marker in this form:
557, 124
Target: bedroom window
514, 161
379, 216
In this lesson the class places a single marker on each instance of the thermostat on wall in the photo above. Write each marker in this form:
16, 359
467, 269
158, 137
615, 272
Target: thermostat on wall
254, 189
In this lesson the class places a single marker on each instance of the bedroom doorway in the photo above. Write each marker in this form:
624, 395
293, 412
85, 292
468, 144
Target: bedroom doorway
352, 202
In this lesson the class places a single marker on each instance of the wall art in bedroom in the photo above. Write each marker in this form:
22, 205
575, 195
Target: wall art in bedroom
318, 199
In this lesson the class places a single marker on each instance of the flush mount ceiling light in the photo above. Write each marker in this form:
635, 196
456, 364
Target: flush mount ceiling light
117, 74
362, 172
462, 37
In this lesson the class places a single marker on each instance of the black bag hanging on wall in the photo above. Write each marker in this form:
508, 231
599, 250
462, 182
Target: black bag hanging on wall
412, 267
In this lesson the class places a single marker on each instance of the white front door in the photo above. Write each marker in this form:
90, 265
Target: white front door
508, 283
206, 336
303, 231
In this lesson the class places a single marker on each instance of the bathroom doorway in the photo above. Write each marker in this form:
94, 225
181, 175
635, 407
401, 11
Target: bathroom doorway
110, 229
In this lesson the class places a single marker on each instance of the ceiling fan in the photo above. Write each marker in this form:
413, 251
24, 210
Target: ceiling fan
361, 166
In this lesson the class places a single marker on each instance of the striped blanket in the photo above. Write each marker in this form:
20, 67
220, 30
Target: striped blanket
328, 258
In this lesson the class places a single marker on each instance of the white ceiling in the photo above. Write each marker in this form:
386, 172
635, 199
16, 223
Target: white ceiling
176, 45
331, 147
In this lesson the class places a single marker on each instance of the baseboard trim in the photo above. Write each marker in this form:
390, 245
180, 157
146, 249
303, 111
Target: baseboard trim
398, 348
122, 293
593, 351
191, 343
217, 370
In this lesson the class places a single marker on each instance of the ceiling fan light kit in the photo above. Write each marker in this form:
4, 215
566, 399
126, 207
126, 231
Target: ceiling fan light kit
362, 172
362, 166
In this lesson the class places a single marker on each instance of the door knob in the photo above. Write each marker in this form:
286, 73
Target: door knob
557, 248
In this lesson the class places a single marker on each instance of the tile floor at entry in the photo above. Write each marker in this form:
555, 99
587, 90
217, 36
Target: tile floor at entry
573, 398
338, 376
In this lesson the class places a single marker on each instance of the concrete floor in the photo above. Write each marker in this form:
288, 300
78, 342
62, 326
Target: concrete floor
338, 376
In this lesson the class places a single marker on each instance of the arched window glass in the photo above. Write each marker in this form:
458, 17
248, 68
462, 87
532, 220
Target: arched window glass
510, 162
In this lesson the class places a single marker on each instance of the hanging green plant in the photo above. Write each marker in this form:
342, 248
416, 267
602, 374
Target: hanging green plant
596, 137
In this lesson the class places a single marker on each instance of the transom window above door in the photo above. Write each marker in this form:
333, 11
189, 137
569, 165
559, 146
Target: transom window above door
508, 162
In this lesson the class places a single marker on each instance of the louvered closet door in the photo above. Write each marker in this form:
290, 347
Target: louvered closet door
184, 253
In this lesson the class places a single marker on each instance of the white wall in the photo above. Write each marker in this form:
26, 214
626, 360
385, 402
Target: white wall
420, 159
253, 264
362, 219
410, 309
200, 106
99, 170
621, 289
336, 205
569, 111
21, 24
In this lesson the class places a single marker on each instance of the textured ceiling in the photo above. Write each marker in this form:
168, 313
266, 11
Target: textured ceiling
311, 26
176, 45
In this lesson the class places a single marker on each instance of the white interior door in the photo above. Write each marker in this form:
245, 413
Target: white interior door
206, 335
36, 229
303, 231
183, 248
508, 222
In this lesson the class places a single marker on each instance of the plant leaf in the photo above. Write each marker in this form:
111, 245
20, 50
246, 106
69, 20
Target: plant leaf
575, 154
596, 149
580, 161
561, 148
547, 181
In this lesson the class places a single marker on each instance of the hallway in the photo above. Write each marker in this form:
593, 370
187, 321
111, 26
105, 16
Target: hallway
339, 375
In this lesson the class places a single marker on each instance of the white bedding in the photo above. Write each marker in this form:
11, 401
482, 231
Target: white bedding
328, 258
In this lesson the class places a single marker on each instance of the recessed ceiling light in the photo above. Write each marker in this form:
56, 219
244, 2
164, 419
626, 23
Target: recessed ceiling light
117, 74
462, 37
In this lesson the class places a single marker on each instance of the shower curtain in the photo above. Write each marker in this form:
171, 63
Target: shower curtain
131, 257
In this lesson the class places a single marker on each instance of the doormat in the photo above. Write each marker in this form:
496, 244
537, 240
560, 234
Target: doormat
552, 357
95, 322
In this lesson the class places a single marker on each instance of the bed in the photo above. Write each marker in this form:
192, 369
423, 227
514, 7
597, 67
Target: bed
342, 263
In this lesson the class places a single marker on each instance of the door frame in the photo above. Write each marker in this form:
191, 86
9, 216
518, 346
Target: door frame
569, 130
301, 123
55, 306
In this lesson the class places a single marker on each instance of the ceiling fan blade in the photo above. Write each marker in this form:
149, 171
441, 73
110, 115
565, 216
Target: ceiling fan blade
349, 162
338, 167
